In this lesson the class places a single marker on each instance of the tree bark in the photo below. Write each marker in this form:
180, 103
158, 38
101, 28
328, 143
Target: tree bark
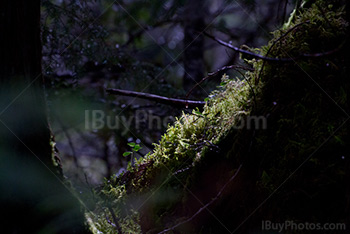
23, 106
34, 197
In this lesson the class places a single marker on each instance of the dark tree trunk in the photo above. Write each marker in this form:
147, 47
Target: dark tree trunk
33, 195
23, 102
194, 23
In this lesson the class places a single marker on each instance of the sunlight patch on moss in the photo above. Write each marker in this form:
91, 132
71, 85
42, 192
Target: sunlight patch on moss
183, 144
189, 138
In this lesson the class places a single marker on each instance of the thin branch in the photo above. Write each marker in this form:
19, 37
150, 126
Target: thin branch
115, 220
206, 206
254, 55
160, 99
258, 56
275, 42
213, 74
251, 88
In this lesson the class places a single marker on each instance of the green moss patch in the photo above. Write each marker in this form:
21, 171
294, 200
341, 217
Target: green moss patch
306, 142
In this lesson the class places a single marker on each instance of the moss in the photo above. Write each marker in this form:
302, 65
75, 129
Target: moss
202, 149
179, 149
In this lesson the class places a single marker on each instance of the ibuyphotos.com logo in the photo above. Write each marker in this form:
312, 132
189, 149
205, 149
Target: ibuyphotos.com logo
290, 225
141, 120
146, 120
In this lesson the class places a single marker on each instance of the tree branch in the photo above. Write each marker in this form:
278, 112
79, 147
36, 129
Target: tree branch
254, 55
115, 220
160, 99
216, 73
275, 42
258, 56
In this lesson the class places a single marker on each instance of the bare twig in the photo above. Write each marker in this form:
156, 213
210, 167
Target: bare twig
251, 88
206, 206
271, 59
275, 42
254, 55
115, 220
213, 74
181, 170
160, 99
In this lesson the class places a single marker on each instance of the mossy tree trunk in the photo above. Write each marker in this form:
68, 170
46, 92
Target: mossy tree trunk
34, 197
295, 168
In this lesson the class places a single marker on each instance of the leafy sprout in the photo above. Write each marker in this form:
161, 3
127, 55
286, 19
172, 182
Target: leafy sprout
134, 148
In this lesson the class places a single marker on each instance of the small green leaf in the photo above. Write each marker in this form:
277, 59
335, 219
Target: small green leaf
206, 99
198, 112
127, 153
137, 148
132, 144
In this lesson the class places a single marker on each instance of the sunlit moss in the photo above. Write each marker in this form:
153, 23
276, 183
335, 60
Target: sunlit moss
275, 89
183, 144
